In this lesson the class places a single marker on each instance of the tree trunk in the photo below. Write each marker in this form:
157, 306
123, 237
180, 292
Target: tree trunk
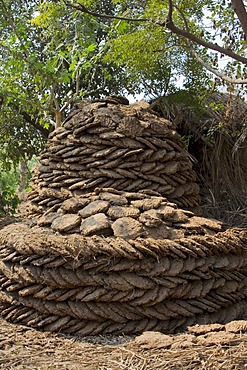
23, 181
58, 116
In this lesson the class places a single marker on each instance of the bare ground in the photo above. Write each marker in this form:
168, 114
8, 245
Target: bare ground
203, 347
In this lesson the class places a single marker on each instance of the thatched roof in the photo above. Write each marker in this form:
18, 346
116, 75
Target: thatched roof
216, 135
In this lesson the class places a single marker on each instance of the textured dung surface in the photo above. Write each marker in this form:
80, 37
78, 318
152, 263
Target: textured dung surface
128, 215
99, 285
122, 258
126, 147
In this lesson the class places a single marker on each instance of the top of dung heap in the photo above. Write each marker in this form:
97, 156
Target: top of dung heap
109, 143
113, 118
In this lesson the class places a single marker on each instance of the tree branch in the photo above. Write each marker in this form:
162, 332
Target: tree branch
215, 71
169, 25
83, 9
35, 124
189, 36
205, 64
240, 10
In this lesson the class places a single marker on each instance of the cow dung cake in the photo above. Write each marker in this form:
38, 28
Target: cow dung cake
109, 241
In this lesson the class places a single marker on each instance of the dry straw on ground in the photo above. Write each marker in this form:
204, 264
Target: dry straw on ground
23, 348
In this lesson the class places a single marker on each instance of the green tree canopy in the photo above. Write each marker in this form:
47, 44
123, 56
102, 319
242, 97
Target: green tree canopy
205, 30
50, 58
53, 53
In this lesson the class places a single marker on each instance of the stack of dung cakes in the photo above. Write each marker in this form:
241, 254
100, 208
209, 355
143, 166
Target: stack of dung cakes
109, 145
108, 243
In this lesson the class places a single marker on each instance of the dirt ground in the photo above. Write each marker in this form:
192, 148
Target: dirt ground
202, 347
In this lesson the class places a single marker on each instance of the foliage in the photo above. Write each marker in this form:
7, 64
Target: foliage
153, 56
8, 198
10, 181
18, 140
202, 32
51, 58
53, 53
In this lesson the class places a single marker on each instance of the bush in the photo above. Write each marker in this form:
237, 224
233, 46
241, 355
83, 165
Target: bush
8, 198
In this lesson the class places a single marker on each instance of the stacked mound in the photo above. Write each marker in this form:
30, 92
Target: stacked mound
126, 147
94, 260
128, 215
85, 285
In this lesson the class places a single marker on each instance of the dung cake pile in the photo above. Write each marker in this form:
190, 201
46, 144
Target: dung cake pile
104, 247
89, 285
128, 215
125, 147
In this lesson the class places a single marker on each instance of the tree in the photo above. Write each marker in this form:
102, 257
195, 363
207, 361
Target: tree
189, 39
57, 52
191, 30
50, 59
45, 68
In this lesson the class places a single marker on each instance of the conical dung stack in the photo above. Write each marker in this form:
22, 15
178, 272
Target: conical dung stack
104, 247
125, 147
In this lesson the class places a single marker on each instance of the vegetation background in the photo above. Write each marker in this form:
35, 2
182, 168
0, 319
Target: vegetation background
187, 58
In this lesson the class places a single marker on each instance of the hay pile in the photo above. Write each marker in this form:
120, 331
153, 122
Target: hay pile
216, 134
97, 260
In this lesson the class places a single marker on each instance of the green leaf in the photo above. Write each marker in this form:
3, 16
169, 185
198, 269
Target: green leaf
91, 48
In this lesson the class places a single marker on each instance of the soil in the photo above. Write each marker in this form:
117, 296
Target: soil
202, 347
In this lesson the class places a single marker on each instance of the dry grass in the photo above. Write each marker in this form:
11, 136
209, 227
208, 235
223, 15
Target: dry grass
217, 141
23, 348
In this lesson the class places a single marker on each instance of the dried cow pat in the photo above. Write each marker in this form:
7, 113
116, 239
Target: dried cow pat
103, 246
131, 138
